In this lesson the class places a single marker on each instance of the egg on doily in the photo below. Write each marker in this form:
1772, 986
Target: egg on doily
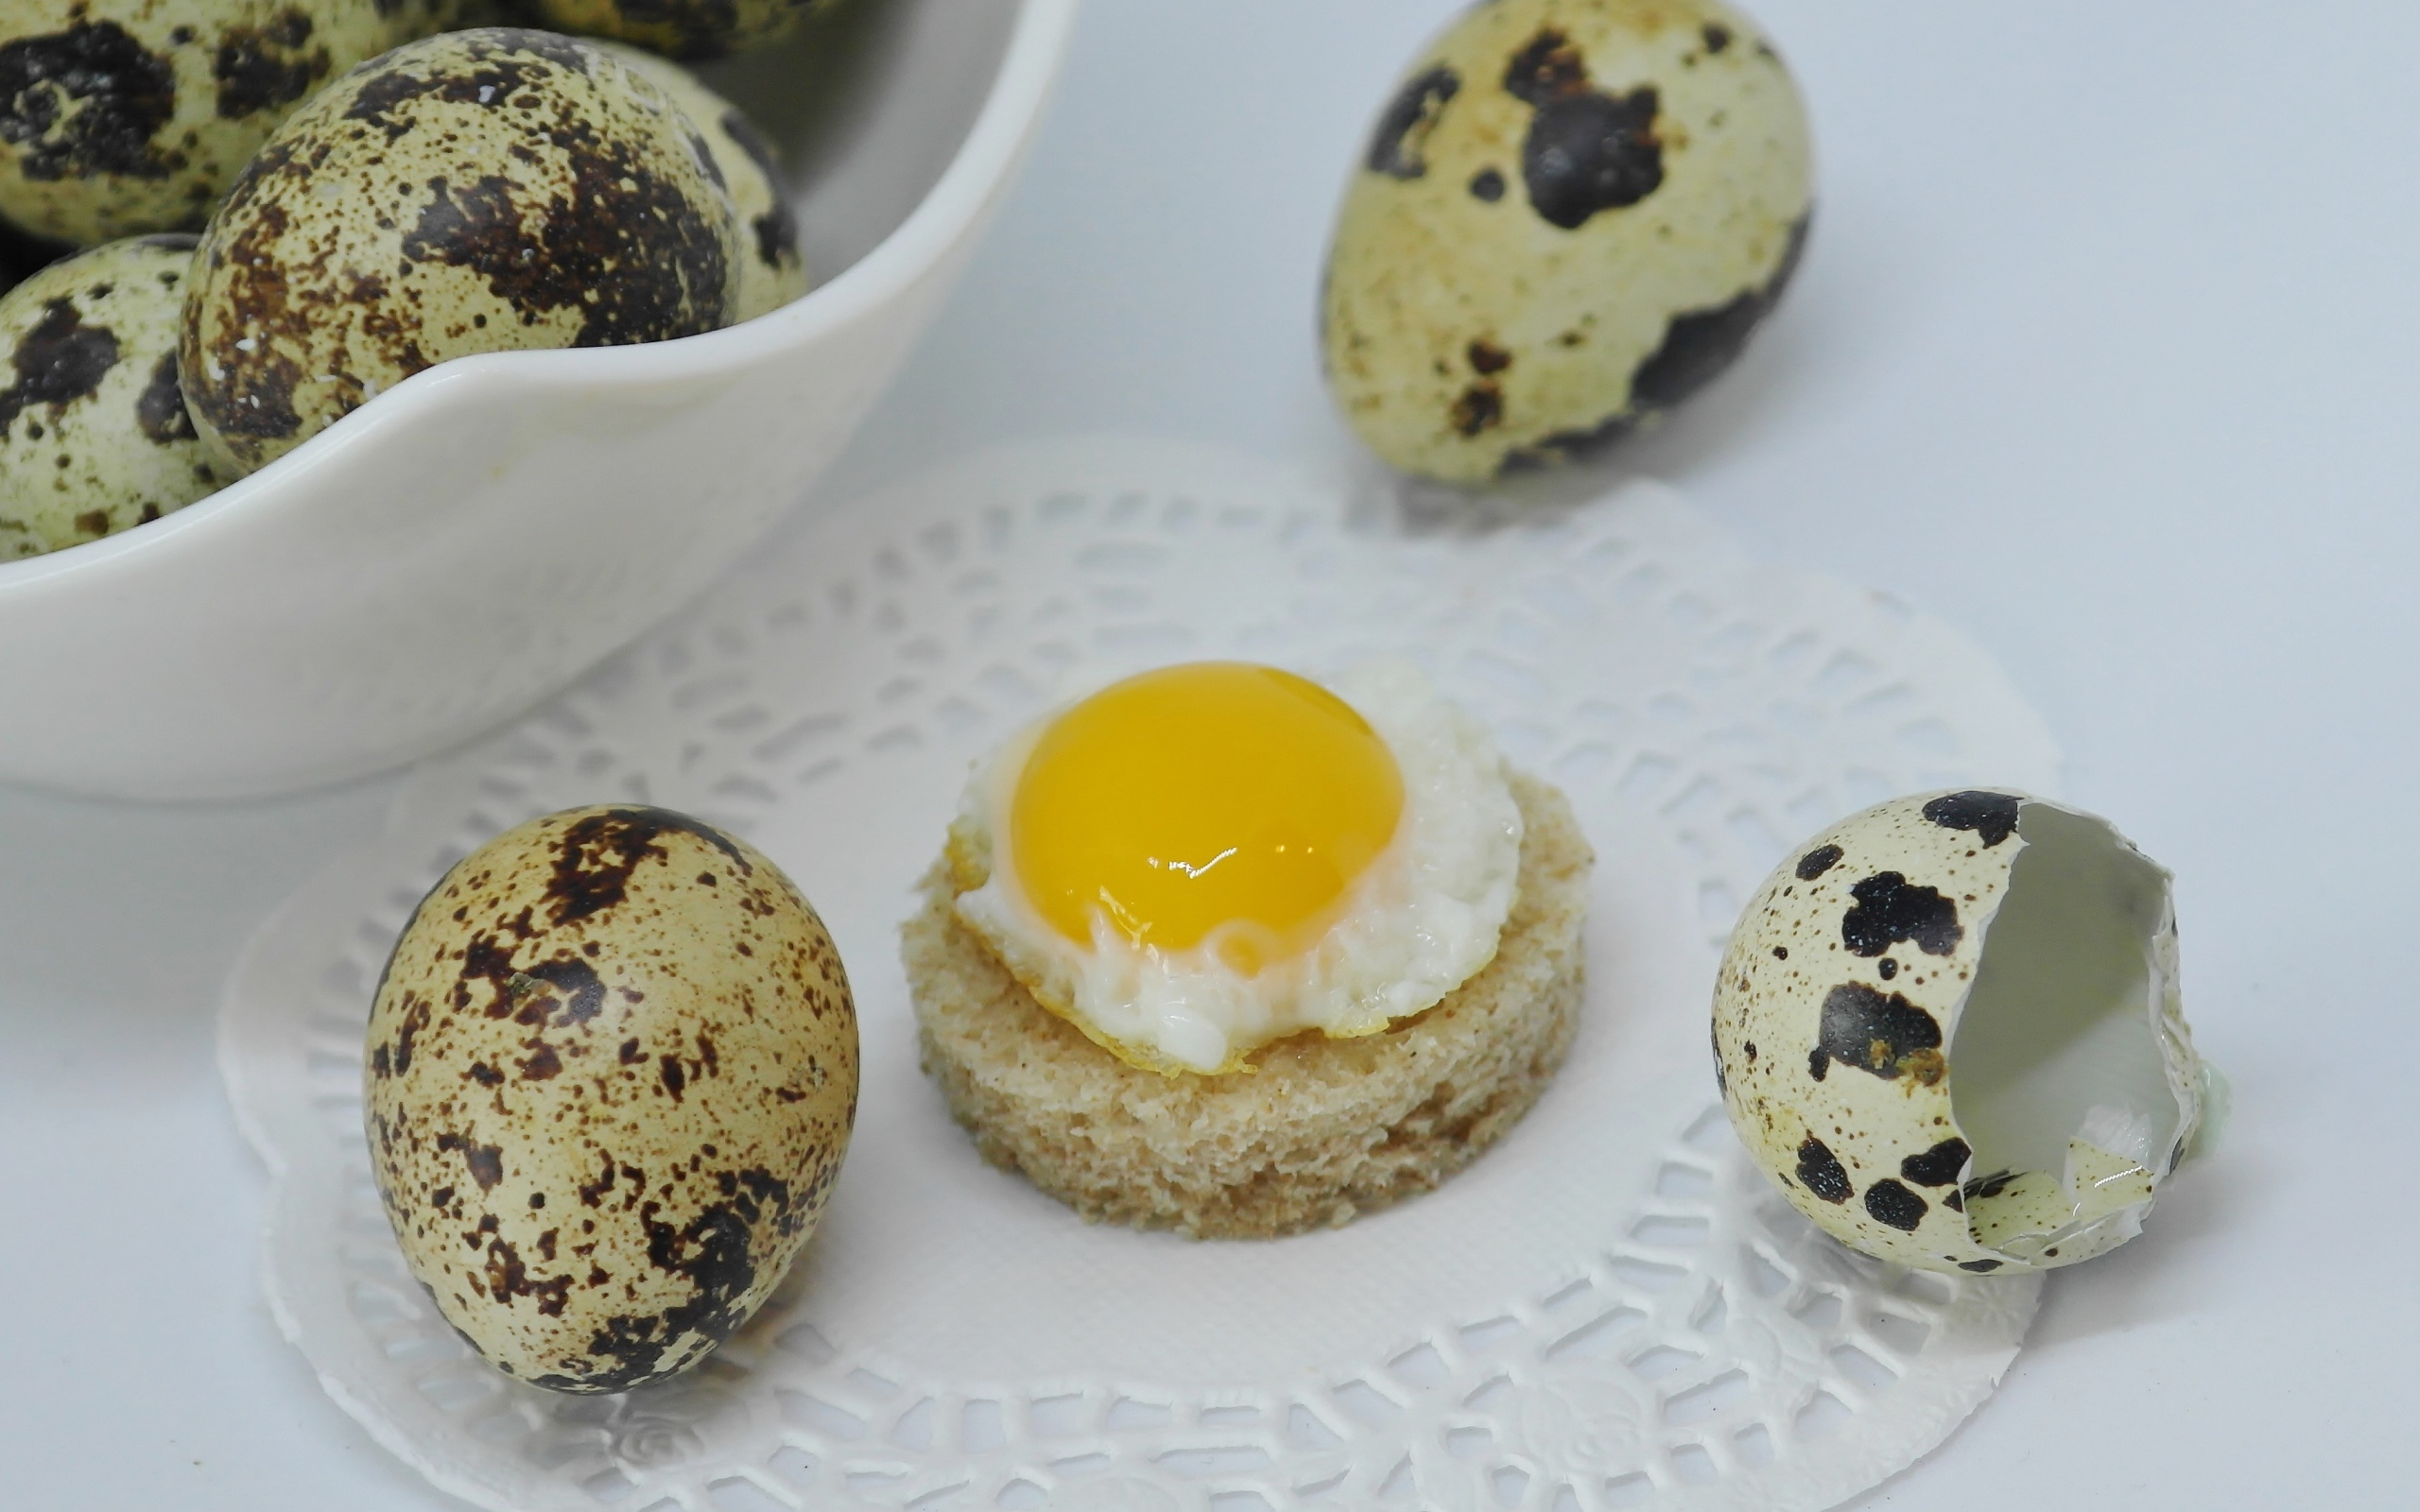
612, 1072
1948, 1028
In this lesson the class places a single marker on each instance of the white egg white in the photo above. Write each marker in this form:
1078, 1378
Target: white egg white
1420, 921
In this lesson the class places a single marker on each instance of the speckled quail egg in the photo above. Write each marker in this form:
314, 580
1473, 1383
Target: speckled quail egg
612, 1072
478, 191
682, 29
1948, 1028
771, 272
93, 436
121, 116
1571, 215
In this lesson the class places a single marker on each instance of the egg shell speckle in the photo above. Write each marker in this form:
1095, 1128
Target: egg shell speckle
1570, 215
1834, 1018
771, 270
94, 436
123, 116
682, 28
612, 1072
478, 191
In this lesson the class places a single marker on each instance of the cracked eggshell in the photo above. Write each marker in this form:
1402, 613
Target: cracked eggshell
1570, 215
772, 271
682, 28
1948, 1029
123, 116
94, 436
478, 191
611, 1071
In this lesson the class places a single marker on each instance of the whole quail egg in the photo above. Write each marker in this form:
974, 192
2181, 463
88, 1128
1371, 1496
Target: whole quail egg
771, 272
93, 436
477, 191
682, 28
613, 1068
120, 117
1571, 215
1948, 1028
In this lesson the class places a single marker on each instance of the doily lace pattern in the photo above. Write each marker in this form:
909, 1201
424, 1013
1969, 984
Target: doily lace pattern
1611, 1309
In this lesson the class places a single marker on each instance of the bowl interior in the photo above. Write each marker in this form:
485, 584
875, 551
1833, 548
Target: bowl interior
867, 103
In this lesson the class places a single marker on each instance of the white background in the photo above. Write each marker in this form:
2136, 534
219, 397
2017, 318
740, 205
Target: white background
2106, 347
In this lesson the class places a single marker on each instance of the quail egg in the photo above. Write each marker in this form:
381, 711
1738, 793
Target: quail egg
1948, 1028
93, 436
611, 1071
1571, 215
682, 29
477, 191
771, 272
121, 116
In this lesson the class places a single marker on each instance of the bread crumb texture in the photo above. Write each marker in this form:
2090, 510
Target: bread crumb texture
1318, 1132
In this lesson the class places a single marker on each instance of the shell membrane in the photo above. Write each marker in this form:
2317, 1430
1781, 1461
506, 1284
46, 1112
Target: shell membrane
1948, 1028
1570, 216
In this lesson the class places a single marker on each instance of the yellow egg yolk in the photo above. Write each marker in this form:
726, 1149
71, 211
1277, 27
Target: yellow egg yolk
1198, 797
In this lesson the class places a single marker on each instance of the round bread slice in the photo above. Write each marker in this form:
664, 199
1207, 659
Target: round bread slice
1318, 1131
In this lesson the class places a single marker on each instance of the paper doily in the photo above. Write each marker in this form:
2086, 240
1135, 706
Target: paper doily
1611, 1309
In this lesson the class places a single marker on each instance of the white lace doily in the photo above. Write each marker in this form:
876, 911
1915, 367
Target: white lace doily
1611, 1309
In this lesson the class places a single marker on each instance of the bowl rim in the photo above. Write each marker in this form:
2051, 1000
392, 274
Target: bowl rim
999, 135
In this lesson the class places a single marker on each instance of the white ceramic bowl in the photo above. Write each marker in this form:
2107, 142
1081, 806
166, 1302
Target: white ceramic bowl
484, 532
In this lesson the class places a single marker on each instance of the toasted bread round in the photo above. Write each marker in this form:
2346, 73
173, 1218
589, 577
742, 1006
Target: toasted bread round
1317, 1131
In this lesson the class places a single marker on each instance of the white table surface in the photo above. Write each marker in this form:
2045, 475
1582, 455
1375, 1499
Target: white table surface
2107, 348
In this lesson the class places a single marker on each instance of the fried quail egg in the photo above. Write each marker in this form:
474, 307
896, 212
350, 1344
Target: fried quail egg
1948, 1028
1570, 216
93, 436
122, 116
682, 28
771, 272
1200, 860
478, 191
612, 1072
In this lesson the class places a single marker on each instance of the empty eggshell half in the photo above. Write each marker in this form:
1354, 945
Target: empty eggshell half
1948, 1028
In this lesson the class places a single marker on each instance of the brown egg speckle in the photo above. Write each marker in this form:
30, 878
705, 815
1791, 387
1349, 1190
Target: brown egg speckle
771, 270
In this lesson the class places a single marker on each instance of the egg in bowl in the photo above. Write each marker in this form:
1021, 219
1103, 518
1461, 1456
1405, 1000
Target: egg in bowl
1225, 950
